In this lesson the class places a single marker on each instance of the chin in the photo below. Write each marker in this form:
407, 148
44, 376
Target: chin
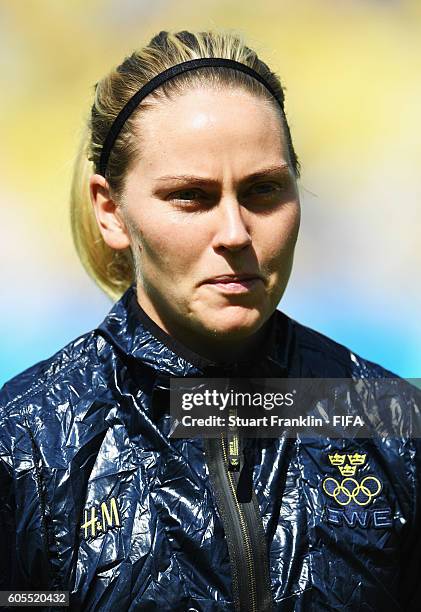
235, 322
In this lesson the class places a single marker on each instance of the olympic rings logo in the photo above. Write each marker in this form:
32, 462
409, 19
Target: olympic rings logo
350, 489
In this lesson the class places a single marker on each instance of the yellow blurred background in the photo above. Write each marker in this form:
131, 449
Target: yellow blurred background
352, 73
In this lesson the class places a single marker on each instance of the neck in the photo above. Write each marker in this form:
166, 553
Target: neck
224, 350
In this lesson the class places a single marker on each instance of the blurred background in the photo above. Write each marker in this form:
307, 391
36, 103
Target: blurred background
352, 72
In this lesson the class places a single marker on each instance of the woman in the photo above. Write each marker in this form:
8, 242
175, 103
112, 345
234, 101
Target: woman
192, 175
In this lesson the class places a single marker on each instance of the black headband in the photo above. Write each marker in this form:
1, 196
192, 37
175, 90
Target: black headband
135, 100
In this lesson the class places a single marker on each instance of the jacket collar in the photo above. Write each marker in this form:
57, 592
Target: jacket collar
133, 333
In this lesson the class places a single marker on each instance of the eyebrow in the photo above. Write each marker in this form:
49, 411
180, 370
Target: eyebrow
263, 173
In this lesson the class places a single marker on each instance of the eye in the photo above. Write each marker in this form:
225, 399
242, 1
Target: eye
268, 189
187, 195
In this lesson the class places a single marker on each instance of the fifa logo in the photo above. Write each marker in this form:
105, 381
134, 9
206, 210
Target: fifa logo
100, 520
349, 489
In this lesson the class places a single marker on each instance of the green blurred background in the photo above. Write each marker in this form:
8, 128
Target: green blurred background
352, 72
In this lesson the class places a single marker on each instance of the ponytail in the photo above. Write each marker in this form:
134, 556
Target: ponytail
112, 270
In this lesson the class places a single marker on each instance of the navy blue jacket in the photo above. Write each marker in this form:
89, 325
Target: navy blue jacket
98, 499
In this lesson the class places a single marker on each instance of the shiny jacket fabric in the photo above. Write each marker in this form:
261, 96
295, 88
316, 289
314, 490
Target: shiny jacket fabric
96, 497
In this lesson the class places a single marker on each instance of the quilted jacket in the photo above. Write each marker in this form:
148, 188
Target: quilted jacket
97, 498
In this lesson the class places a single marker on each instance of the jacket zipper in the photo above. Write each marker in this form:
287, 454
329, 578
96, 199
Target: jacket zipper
242, 525
233, 451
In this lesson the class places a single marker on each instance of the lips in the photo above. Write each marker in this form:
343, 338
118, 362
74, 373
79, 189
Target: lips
233, 278
235, 284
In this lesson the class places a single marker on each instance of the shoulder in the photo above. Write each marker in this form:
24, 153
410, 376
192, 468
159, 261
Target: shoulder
321, 356
56, 377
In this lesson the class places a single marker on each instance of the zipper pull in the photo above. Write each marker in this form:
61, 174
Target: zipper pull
233, 444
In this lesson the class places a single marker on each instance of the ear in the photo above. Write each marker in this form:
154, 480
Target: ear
108, 214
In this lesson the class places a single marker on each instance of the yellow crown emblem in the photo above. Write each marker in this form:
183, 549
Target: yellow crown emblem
357, 459
337, 459
347, 470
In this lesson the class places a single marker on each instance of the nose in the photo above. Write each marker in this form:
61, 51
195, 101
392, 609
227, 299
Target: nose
233, 231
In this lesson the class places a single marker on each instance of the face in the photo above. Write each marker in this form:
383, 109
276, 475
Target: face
212, 212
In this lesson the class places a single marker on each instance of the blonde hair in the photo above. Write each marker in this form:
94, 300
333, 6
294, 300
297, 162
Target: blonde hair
114, 270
